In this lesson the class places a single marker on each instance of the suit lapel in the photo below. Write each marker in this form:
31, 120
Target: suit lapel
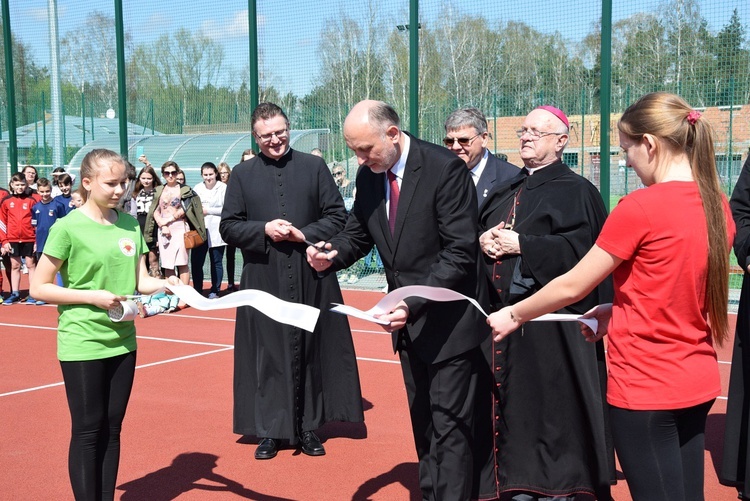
486, 181
409, 184
381, 210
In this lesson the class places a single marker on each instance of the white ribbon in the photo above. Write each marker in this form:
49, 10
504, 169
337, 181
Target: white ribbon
295, 314
389, 302
592, 323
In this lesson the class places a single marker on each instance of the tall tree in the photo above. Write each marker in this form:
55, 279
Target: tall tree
732, 64
89, 57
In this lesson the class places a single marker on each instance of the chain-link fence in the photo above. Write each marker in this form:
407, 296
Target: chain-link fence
189, 69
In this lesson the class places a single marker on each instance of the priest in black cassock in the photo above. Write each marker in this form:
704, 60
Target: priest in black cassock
287, 382
735, 467
551, 433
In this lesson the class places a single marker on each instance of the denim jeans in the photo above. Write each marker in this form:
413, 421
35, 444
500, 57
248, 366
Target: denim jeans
198, 258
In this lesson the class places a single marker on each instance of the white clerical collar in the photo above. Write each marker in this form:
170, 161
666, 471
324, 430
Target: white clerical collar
532, 170
476, 172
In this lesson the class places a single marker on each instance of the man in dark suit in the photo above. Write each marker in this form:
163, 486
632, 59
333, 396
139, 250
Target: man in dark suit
431, 240
466, 135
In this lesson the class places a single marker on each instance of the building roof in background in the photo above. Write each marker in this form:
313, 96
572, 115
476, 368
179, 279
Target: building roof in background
27, 135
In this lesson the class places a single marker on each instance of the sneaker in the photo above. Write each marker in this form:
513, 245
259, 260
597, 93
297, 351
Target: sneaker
213, 295
30, 300
12, 299
40, 303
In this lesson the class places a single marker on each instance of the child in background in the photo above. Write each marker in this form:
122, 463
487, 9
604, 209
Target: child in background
100, 253
17, 235
45, 213
76, 199
56, 173
5, 259
65, 183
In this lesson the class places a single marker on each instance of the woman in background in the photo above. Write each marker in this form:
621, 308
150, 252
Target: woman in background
211, 192
224, 173
145, 187
175, 210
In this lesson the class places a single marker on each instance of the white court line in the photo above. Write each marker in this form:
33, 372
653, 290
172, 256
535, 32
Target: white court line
30, 327
185, 342
198, 317
137, 367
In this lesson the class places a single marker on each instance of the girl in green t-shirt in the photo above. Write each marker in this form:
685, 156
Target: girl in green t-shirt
100, 254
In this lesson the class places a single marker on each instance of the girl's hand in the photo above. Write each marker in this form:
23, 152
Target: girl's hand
602, 313
165, 231
105, 300
503, 323
173, 280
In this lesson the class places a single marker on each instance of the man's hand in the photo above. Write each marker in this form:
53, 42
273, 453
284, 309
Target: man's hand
319, 256
397, 317
295, 235
278, 230
499, 241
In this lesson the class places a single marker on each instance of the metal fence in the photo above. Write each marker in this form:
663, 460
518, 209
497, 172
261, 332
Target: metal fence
190, 67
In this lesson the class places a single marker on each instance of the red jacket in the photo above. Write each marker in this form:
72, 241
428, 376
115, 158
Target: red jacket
15, 219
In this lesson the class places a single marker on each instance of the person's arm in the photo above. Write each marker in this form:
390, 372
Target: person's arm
740, 204
332, 210
566, 289
235, 228
44, 288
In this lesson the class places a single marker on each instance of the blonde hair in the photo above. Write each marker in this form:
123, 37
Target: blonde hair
670, 118
94, 160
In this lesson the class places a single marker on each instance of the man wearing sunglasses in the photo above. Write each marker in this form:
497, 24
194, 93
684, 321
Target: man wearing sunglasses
552, 440
466, 135
287, 382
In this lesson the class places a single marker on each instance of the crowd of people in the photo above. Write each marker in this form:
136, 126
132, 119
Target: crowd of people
500, 407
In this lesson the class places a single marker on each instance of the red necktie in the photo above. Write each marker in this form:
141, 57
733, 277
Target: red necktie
393, 200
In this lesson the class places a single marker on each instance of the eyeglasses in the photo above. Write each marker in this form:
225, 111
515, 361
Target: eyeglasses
338, 173
169, 173
463, 141
280, 134
535, 134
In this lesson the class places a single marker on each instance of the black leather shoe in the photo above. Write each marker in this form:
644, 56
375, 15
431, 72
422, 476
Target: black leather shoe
311, 444
267, 449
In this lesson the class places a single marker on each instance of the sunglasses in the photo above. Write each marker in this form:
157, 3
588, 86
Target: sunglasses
463, 141
170, 172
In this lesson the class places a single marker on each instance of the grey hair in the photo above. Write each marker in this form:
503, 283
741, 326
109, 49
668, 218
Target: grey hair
382, 115
466, 117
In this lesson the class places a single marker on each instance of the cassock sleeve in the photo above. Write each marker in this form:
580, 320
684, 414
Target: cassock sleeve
575, 228
740, 204
332, 215
234, 228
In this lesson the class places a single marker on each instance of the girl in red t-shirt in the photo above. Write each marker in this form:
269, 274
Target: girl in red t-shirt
667, 248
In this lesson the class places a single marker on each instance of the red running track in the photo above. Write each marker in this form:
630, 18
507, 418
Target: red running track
177, 441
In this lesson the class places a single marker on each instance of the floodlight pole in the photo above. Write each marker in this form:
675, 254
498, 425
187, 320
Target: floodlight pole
10, 90
605, 101
122, 96
252, 19
414, 67
58, 155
